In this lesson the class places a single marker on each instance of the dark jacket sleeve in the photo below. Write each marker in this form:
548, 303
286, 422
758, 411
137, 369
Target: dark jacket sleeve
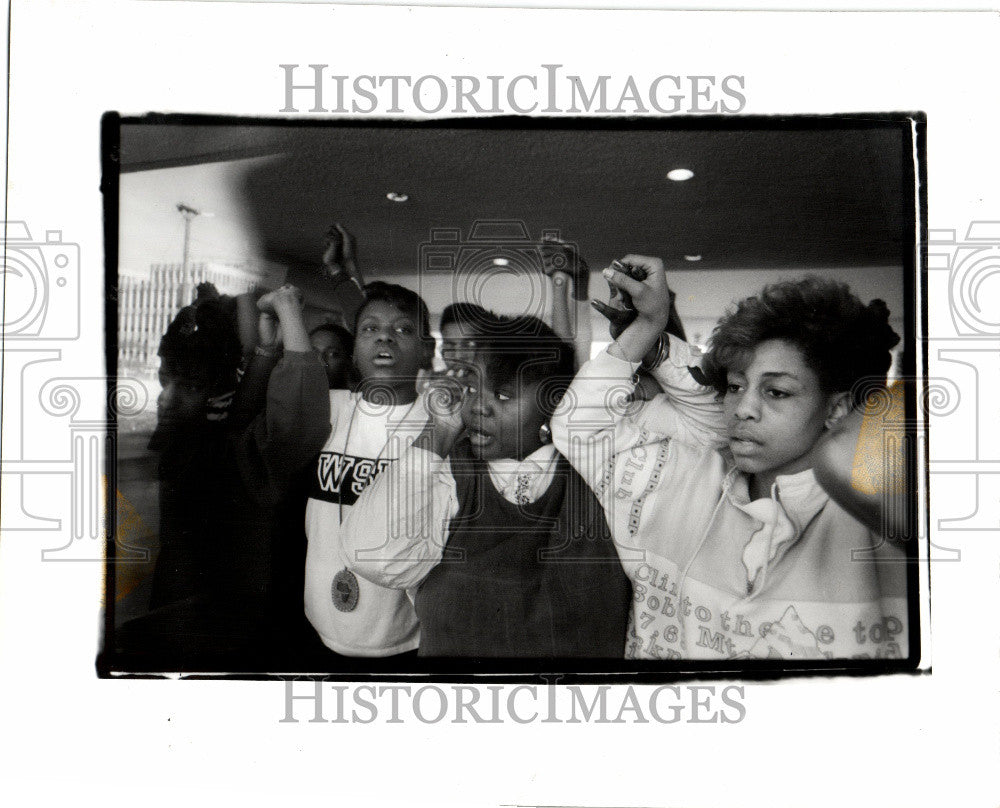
251, 393
290, 432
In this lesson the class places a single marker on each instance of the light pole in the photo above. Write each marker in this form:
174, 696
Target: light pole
187, 284
188, 213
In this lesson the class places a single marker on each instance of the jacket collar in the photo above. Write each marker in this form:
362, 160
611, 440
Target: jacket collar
796, 499
524, 481
800, 496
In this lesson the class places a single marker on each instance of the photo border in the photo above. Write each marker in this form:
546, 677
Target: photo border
568, 671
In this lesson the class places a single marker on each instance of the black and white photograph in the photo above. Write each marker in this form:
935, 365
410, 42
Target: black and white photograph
501, 405
611, 398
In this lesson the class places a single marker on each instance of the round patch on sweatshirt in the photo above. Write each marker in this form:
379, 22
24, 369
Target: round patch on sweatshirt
345, 591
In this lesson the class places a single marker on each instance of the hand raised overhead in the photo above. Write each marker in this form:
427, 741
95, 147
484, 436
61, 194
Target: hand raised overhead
562, 257
638, 289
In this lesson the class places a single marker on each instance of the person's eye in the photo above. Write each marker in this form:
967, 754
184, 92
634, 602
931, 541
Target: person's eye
406, 330
368, 328
471, 389
503, 395
779, 394
733, 387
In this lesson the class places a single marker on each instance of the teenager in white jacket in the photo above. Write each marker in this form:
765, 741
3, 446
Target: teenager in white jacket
733, 549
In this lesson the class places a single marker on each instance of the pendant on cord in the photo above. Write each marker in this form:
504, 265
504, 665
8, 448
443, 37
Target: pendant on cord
345, 591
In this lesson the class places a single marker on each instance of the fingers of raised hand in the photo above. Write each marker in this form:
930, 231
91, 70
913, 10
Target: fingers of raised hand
647, 262
620, 280
282, 296
618, 319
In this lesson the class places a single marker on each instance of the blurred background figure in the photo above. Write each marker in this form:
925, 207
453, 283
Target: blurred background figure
199, 360
335, 346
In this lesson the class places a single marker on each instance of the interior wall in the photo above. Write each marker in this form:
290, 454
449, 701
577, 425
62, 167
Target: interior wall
702, 295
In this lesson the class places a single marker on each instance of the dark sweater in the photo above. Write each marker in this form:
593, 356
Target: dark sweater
232, 594
541, 580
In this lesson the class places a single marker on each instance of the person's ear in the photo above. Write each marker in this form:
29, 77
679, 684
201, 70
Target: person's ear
839, 407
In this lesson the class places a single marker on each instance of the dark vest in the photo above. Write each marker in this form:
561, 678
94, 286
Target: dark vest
541, 580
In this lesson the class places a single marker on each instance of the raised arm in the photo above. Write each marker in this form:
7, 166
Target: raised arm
861, 464
397, 530
262, 352
570, 277
340, 256
395, 533
295, 421
246, 322
688, 410
597, 425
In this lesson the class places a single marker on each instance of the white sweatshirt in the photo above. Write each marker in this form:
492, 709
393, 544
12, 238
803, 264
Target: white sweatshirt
716, 576
352, 615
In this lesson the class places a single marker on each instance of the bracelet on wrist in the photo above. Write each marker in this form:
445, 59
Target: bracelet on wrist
662, 348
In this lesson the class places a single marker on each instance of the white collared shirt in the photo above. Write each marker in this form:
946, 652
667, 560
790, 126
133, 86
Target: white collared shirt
524, 481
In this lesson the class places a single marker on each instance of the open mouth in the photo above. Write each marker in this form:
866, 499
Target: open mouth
383, 359
480, 439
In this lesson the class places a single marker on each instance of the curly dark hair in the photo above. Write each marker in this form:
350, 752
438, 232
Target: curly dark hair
529, 351
843, 340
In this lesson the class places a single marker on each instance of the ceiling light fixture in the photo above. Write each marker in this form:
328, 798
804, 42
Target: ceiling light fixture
392, 196
692, 257
680, 174
500, 262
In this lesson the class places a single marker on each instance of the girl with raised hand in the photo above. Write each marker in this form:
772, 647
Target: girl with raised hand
733, 548
504, 549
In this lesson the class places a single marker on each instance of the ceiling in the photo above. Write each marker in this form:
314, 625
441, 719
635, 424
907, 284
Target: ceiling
766, 193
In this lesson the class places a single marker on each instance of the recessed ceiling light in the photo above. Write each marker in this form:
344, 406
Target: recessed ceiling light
392, 196
680, 174
692, 257
500, 262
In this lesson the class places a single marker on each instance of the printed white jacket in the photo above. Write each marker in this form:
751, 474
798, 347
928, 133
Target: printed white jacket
717, 576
